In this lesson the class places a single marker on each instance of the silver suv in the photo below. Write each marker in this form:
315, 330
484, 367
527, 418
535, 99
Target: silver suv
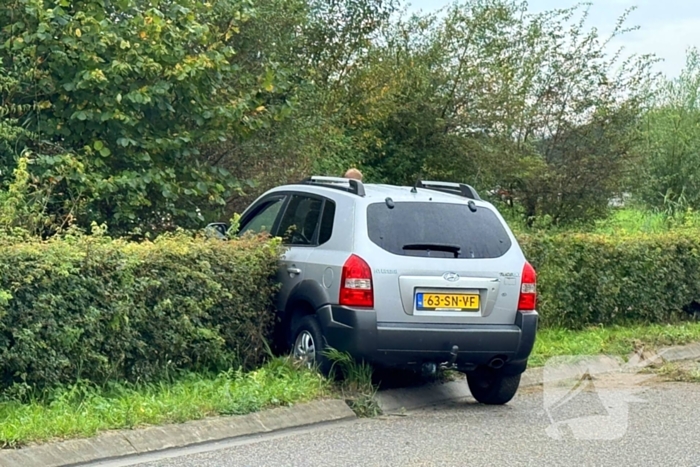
423, 277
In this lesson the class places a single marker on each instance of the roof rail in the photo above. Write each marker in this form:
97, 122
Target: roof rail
460, 189
344, 184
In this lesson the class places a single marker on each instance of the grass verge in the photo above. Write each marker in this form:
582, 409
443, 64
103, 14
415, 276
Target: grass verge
84, 410
620, 220
676, 372
354, 383
618, 341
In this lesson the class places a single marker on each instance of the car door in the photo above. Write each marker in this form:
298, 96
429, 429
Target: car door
264, 217
298, 228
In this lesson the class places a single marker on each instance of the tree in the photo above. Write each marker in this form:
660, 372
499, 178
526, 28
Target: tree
494, 95
174, 112
670, 143
317, 44
21, 204
120, 94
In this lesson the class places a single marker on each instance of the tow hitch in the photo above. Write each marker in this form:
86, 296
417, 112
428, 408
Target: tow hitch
450, 364
429, 369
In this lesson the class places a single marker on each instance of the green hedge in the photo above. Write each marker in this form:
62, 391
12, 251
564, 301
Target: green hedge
108, 310
586, 279
98, 309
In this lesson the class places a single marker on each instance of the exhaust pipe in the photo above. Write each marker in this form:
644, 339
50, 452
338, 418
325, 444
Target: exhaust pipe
497, 363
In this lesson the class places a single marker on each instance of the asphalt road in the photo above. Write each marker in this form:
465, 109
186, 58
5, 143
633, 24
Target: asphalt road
664, 430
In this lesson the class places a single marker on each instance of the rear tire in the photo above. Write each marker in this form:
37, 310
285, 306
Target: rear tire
492, 387
309, 345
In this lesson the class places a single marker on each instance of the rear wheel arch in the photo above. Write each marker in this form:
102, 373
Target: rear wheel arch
308, 291
304, 300
296, 311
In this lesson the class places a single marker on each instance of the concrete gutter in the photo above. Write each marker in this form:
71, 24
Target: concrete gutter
134, 442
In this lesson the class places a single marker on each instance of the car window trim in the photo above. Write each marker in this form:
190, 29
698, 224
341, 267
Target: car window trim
326, 201
260, 205
317, 233
289, 195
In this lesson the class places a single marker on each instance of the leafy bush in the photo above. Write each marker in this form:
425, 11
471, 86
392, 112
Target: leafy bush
93, 308
590, 279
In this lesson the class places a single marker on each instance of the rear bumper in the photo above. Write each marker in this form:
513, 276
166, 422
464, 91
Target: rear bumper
407, 345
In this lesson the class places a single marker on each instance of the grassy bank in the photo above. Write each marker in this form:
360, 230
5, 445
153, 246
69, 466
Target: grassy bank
83, 410
619, 221
616, 340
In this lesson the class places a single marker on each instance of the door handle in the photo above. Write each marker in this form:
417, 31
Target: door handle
294, 271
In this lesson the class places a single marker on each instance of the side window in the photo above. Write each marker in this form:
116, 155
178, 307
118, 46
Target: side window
264, 219
300, 221
327, 221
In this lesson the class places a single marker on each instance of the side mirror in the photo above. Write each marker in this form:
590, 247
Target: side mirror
216, 230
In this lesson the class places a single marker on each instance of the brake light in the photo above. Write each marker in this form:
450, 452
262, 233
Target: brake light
356, 283
528, 289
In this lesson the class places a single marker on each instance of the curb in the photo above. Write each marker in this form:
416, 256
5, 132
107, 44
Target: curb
395, 401
134, 442
681, 353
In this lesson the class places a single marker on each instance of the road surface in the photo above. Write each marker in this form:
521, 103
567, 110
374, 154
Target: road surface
663, 430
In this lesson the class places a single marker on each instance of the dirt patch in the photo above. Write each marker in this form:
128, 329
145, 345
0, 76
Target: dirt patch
617, 380
525, 390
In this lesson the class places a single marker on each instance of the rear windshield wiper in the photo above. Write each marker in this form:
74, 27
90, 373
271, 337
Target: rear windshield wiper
446, 247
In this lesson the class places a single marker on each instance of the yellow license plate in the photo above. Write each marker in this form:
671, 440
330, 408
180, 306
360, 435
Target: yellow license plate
439, 301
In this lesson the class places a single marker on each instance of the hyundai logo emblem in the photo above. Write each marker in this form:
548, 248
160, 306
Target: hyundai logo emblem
451, 277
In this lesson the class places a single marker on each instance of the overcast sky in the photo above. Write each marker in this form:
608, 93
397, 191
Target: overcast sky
668, 27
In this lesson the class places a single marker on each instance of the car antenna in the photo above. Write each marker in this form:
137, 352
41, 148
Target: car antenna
415, 185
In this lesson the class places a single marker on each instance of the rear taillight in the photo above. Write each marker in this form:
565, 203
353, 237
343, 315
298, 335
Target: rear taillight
356, 283
528, 289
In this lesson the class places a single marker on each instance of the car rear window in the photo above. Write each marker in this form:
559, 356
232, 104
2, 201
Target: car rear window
442, 230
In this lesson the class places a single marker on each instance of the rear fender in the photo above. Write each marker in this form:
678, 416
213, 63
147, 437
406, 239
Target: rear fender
308, 294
